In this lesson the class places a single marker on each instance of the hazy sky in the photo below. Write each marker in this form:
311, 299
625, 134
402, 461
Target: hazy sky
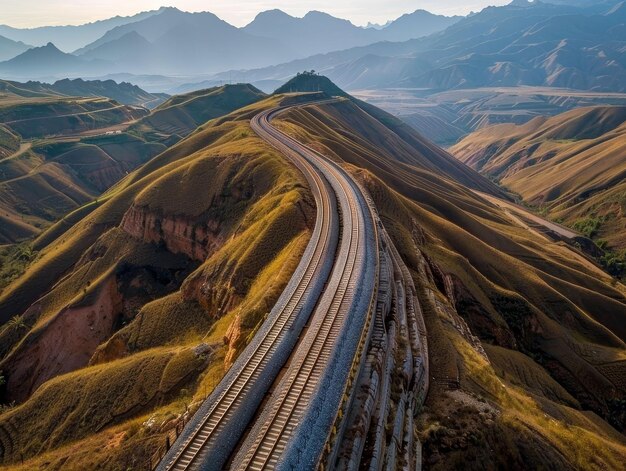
29, 13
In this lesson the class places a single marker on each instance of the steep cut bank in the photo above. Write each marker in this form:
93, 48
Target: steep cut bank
571, 166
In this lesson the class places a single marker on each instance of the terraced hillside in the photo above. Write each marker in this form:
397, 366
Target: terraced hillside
165, 282
43, 179
124, 93
35, 118
182, 114
572, 167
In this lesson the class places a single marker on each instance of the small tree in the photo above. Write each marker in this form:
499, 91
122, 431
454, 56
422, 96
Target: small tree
17, 323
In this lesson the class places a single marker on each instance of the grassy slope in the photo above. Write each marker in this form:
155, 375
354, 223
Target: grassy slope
534, 304
36, 117
182, 114
255, 211
123, 92
54, 178
571, 165
540, 307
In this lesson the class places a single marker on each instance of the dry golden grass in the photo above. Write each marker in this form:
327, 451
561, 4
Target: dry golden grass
257, 212
545, 315
572, 166
556, 326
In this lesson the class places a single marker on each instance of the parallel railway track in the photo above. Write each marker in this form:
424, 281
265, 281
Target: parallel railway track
337, 300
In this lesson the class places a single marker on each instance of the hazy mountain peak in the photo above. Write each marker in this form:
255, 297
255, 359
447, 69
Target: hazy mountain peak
274, 13
170, 9
320, 15
48, 50
10, 48
524, 3
268, 19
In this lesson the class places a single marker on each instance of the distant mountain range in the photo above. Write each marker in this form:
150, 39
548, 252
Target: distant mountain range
170, 41
578, 46
47, 60
70, 38
526, 43
10, 48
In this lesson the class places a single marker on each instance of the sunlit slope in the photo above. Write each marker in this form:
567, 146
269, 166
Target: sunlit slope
44, 180
33, 118
182, 114
124, 93
572, 165
155, 284
531, 302
176, 265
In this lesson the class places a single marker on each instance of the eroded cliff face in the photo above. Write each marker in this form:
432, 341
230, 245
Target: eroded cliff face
180, 234
231, 340
63, 343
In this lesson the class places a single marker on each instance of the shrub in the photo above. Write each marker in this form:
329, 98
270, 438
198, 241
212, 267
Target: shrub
588, 226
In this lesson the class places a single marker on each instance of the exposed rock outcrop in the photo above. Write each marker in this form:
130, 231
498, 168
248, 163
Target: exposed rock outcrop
49, 351
180, 234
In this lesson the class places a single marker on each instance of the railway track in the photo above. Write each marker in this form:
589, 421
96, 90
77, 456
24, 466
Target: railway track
333, 286
283, 425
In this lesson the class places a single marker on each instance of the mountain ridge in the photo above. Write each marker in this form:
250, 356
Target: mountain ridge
463, 57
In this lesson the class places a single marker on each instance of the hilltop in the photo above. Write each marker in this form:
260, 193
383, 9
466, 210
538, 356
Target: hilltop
310, 82
182, 114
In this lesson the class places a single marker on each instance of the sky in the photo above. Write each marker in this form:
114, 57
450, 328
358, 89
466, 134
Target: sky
32, 13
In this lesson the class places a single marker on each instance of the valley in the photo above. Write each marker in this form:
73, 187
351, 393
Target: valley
141, 263
447, 117
568, 166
